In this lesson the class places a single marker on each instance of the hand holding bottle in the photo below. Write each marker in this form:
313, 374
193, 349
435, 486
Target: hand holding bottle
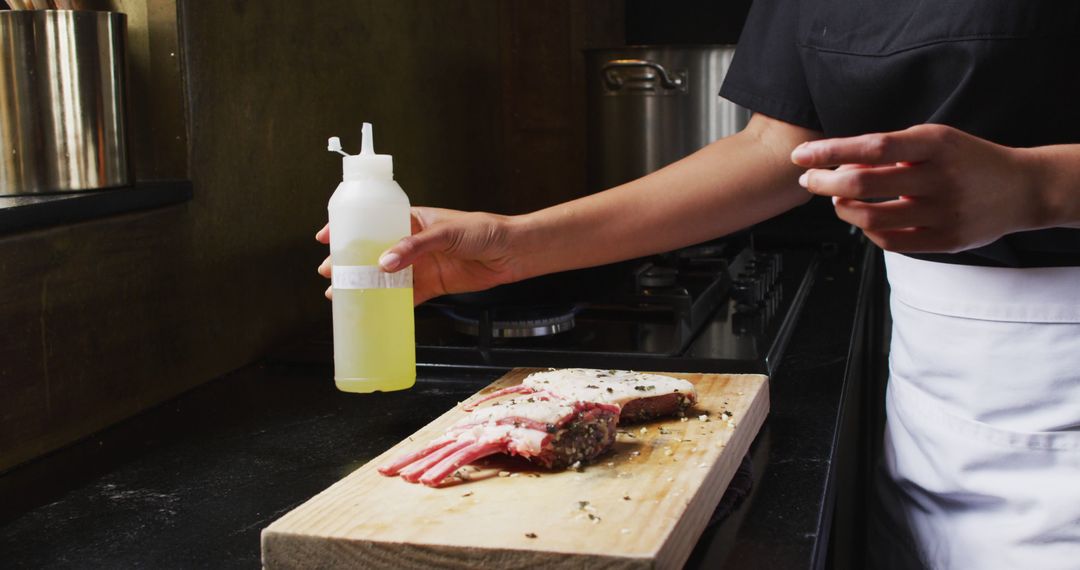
734, 182
450, 251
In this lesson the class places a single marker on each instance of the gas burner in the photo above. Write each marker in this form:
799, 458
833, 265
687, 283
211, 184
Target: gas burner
651, 276
513, 322
711, 249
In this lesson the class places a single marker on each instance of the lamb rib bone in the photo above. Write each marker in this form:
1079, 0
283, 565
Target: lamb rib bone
550, 433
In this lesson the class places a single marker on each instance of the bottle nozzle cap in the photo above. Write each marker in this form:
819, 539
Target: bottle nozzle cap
367, 147
367, 164
334, 145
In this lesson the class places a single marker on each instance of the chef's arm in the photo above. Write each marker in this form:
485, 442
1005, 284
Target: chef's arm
1055, 179
731, 184
726, 186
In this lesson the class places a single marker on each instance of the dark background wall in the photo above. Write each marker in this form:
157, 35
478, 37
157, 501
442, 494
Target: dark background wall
479, 101
685, 21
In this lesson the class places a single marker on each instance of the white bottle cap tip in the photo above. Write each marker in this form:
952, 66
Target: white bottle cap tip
367, 140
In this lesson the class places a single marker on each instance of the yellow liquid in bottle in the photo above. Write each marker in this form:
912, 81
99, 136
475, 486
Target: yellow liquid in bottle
374, 344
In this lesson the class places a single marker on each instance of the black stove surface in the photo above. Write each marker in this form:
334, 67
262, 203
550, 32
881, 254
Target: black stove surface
701, 309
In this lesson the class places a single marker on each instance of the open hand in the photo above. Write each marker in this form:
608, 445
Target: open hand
932, 188
450, 251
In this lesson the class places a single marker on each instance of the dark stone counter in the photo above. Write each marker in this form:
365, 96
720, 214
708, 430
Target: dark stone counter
192, 483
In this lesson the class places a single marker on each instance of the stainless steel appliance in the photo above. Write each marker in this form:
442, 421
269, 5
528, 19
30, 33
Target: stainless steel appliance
649, 106
62, 101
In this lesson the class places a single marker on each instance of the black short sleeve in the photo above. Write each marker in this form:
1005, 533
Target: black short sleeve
766, 75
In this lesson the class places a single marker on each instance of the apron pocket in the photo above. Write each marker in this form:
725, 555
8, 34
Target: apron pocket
978, 496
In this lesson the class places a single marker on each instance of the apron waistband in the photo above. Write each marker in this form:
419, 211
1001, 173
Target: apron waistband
1031, 295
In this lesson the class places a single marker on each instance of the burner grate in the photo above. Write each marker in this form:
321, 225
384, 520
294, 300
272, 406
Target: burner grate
512, 322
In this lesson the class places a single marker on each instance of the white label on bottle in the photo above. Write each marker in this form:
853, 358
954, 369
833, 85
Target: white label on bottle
369, 277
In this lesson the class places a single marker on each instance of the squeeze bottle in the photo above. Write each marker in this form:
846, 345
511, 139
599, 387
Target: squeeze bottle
374, 346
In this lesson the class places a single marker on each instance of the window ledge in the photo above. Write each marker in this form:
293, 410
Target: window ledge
20, 213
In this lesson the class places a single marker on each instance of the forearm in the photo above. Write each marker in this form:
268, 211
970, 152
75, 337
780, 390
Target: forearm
726, 186
1055, 179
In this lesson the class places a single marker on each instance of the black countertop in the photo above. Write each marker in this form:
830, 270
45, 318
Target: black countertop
194, 481
20, 213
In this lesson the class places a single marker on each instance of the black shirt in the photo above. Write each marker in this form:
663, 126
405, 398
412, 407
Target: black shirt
1004, 70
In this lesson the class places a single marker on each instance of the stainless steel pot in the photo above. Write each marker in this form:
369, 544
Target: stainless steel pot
62, 101
649, 106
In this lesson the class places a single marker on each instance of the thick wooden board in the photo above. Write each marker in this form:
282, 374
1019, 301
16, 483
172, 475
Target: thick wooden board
643, 505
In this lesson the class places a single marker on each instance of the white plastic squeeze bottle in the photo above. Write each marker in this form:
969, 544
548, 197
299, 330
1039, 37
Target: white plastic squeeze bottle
374, 346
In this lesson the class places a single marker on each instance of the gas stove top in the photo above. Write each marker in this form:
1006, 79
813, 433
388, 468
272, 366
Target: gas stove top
724, 306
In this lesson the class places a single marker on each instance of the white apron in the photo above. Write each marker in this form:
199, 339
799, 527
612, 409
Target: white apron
982, 439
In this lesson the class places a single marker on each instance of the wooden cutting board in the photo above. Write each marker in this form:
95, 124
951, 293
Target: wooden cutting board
643, 505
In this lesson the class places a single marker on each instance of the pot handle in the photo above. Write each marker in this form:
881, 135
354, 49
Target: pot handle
614, 80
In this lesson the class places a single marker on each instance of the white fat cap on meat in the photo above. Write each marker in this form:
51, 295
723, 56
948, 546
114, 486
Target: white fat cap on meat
607, 386
482, 426
543, 411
